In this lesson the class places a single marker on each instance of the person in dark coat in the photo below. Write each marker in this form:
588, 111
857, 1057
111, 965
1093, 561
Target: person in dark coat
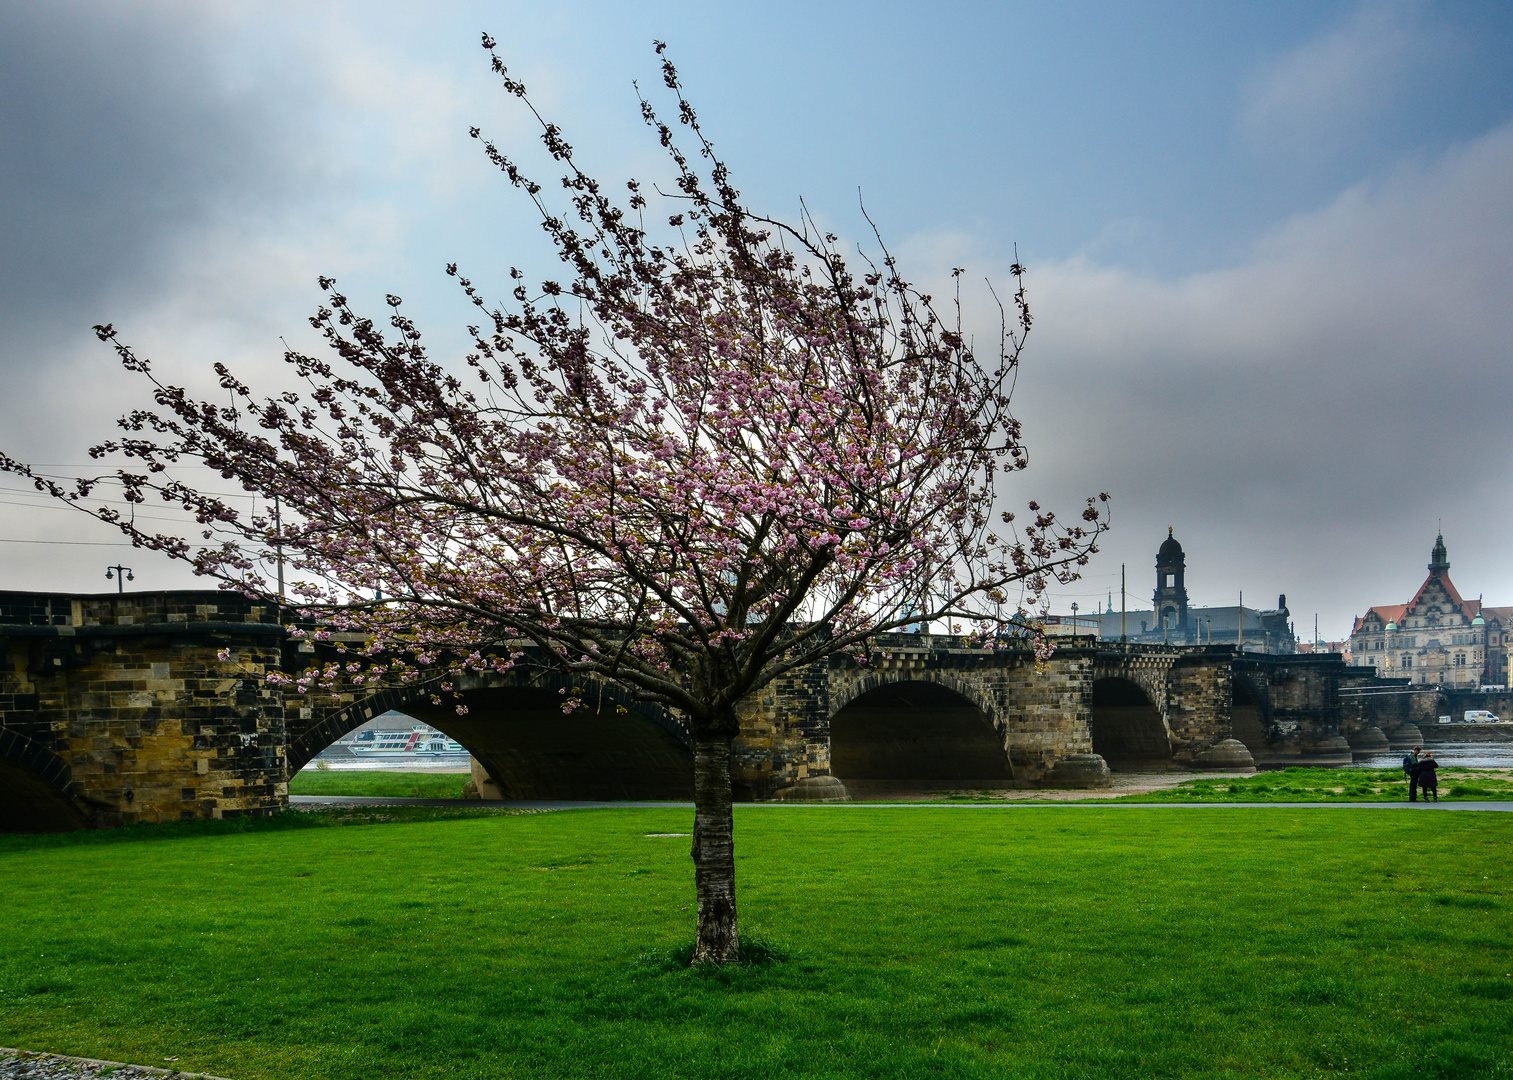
1410, 770
1428, 777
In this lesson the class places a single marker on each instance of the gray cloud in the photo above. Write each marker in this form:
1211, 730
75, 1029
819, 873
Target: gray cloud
1304, 417
120, 129
1307, 418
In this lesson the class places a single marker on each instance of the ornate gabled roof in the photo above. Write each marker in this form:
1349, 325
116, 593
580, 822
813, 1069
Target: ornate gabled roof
1386, 612
1439, 574
1449, 587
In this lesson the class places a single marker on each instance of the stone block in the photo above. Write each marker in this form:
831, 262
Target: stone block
1078, 771
826, 789
1227, 754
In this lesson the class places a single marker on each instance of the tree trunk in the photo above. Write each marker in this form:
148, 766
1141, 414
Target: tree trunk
719, 939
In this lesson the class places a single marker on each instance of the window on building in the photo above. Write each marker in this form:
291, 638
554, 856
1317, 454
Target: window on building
1460, 659
1171, 581
1407, 661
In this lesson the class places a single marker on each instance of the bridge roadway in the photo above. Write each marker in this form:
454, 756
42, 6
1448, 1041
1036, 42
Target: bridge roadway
115, 708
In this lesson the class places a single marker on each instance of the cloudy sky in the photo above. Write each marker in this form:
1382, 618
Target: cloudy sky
1270, 245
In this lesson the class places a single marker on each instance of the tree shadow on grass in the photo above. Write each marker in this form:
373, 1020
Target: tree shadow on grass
758, 950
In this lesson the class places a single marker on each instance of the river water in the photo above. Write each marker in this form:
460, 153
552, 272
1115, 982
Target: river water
1497, 755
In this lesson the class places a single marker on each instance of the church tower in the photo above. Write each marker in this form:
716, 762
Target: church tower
1439, 558
1171, 589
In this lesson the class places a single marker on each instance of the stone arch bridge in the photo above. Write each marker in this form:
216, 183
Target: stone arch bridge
116, 709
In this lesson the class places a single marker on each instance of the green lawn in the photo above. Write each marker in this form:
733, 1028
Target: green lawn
400, 785
1286, 785
921, 942
1334, 785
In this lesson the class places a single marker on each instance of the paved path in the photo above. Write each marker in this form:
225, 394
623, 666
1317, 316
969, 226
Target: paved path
324, 801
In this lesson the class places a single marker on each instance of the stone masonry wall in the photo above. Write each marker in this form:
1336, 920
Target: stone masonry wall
1456, 702
128, 691
785, 734
1041, 716
1302, 701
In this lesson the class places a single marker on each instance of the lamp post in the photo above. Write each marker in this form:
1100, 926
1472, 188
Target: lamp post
1074, 620
121, 575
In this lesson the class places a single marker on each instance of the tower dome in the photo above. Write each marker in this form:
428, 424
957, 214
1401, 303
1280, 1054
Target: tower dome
1170, 550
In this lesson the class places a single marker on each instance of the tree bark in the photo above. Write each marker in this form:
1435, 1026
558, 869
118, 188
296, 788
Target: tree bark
719, 939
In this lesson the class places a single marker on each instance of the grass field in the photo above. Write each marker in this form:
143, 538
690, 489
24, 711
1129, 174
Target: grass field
392, 785
1334, 785
918, 942
1287, 785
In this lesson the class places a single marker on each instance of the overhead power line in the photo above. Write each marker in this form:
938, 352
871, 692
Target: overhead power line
70, 543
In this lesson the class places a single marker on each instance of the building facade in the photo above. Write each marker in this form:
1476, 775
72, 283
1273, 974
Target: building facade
1438, 638
1171, 619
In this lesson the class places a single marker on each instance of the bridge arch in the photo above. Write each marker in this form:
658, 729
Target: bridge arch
1127, 728
611, 748
967, 687
1151, 672
916, 730
37, 792
1250, 718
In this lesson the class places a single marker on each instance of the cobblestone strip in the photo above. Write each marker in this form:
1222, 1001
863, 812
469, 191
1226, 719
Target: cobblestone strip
26, 1065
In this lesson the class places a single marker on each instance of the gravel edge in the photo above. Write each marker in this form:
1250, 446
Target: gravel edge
35, 1065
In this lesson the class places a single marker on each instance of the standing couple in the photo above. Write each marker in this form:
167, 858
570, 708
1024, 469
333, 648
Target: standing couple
1423, 774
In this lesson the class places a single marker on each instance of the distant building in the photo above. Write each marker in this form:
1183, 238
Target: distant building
1070, 626
1437, 638
1172, 619
1307, 648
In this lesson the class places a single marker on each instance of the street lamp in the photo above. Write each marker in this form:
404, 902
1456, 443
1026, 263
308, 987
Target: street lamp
1074, 620
121, 575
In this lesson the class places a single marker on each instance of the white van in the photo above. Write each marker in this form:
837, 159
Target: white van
1480, 716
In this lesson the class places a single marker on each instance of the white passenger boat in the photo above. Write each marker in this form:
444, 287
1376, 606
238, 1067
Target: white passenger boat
419, 741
